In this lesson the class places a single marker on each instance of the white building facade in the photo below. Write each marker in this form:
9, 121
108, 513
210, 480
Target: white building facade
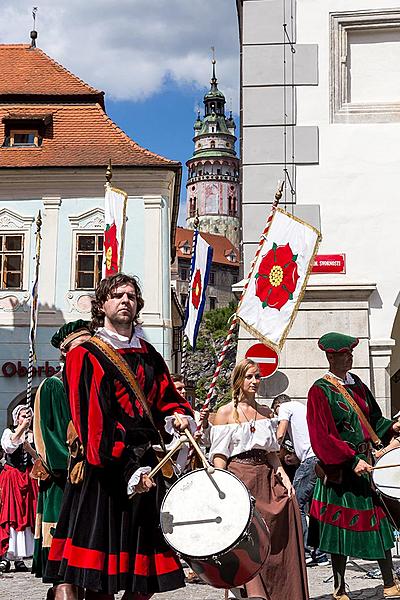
321, 108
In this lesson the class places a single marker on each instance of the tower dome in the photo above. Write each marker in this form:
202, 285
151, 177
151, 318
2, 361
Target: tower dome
213, 170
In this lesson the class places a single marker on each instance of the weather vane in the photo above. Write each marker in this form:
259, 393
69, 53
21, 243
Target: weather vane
213, 53
34, 11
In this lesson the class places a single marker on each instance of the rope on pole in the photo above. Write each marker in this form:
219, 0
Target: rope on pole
34, 313
235, 319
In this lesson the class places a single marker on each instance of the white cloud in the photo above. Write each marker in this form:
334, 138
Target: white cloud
128, 48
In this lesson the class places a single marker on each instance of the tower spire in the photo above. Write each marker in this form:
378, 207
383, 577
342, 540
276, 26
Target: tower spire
213, 79
34, 32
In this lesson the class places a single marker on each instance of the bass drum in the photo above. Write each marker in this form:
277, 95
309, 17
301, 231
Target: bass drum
387, 480
211, 522
387, 484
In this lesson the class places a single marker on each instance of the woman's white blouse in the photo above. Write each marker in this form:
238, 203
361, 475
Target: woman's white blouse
235, 438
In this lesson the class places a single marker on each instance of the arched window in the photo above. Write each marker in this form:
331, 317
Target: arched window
192, 207
212, 144
231, 206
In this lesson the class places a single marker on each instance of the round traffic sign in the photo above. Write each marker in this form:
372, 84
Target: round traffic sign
266, 359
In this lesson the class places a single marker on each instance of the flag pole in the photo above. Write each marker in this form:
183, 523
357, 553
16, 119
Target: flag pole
34, 313
196, 224
235, 318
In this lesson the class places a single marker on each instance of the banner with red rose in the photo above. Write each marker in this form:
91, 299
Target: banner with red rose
278, 279
114, 230
200, 270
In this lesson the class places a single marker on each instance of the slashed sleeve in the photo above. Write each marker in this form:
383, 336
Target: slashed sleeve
91, 396
167, 399
324, 436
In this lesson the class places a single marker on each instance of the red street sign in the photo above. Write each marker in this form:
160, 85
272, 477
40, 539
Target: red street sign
329, 263
265, 357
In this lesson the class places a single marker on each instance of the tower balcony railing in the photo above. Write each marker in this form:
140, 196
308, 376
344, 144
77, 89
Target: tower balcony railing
213, 177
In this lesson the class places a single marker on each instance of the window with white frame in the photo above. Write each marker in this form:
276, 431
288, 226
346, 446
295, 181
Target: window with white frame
88, 260
365, 66
11, 261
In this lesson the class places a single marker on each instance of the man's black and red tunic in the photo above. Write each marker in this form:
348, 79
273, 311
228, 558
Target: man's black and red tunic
104, 541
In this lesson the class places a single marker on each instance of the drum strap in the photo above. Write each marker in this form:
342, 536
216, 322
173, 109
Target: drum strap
349, 398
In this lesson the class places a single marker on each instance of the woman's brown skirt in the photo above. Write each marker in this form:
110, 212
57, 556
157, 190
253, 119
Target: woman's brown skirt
284, 573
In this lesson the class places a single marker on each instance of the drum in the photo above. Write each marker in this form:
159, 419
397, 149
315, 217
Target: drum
387, 481
387, 484
211, 522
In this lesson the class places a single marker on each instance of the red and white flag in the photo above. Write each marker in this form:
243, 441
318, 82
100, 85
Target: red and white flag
278, 279
114, 230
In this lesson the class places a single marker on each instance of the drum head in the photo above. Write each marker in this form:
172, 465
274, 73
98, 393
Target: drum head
203, 515
387, 481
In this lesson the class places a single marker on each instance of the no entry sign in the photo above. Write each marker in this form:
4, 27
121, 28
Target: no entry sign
265, 357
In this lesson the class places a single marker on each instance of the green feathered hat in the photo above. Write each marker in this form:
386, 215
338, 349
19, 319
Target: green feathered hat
69, 332
337, 342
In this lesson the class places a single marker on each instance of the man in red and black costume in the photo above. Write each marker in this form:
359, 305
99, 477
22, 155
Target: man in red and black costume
104, 541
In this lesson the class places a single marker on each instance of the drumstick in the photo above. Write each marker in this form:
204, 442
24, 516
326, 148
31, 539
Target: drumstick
187, 432
182, 440
384, 467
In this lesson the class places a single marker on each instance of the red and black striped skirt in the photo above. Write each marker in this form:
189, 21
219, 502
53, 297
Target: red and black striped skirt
106, 542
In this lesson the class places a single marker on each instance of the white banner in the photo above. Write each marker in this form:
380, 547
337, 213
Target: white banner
114, 230
201, 265
279, 278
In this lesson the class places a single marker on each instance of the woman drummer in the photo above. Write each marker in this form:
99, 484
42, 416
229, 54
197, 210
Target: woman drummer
243, 441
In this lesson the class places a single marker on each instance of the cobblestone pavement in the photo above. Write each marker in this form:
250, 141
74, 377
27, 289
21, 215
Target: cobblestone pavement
23, 586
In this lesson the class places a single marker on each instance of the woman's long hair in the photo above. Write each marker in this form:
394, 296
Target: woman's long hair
238, 377
104, 291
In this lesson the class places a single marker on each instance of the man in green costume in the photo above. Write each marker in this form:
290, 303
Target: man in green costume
51, 418
351, 518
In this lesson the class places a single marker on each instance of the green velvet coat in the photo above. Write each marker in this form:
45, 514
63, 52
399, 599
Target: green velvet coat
51, 418
352, 521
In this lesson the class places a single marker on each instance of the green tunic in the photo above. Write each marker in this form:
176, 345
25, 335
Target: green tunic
352, 521
51, 418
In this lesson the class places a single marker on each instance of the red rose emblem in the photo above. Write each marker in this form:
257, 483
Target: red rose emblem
111, 249
196, 289
277, 277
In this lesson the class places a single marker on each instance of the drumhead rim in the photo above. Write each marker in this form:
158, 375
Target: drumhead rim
236, 542
379, 485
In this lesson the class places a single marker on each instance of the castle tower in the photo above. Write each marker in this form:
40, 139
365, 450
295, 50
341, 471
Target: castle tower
213, 171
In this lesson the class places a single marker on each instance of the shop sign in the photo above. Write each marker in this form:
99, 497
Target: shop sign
12, 369
329, 263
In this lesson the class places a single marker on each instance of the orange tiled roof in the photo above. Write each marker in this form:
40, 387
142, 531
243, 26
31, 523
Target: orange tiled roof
222, 246
80, 135
29, 71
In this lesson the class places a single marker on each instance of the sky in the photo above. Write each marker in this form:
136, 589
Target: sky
152, 58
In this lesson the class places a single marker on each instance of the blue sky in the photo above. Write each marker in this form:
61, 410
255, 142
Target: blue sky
152, 58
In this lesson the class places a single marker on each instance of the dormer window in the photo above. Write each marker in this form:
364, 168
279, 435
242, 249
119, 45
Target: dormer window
186, 249
231, 256
24, 137
24, 130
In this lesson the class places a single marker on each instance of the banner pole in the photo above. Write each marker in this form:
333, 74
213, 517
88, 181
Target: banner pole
34, 314
235, 319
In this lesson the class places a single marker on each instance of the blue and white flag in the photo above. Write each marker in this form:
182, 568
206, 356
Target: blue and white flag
201, 265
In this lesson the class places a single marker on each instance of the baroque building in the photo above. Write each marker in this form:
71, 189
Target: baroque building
56, 140
213, 170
